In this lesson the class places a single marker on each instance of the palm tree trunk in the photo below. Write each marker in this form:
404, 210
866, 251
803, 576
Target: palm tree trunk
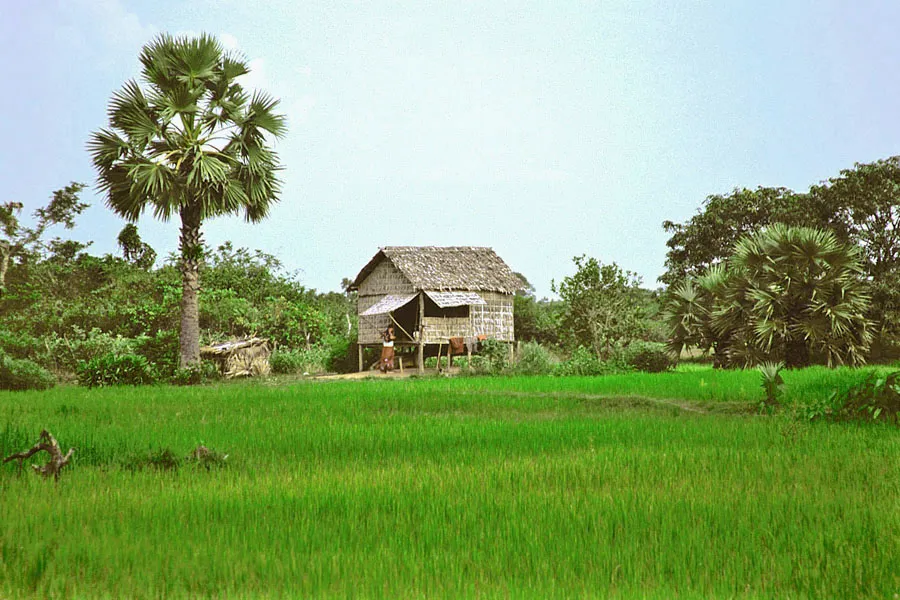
5, 251
796, 354
191, 254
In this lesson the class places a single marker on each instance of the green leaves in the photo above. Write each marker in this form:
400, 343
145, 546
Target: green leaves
260, 115
602, 308
787, 293
193, 135
772, 382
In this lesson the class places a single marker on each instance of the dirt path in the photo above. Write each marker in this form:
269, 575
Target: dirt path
696, 408
680, 404
395, 374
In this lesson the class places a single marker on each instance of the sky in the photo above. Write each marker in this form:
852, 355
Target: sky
545, 130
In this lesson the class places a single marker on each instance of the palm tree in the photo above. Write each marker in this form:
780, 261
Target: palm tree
805, 293
190, 142
689, 312
786, 294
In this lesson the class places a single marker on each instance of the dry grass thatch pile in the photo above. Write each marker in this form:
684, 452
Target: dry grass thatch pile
240, 358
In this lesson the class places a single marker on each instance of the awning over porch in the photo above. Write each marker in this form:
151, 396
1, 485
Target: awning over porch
387, 304
448, 299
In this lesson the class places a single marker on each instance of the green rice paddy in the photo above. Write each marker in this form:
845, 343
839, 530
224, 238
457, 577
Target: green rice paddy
628, 486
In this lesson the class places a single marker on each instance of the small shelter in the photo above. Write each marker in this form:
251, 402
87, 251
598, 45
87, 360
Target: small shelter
434, 294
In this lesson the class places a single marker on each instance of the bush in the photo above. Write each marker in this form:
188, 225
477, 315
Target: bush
113, 369
81, 346
492, 359
342, 356
290, 362
877, 397
19, 345
534, 359
650, 357
23, 374
205, 372
583, 362
162, 459
161, 351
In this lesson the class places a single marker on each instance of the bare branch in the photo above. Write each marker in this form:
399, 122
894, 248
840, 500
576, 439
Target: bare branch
46, 443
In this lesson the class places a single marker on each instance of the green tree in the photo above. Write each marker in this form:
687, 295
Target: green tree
18, 241
134, 249
867, 199
537, 320
708, 237
190, 143
786, 294
602, 306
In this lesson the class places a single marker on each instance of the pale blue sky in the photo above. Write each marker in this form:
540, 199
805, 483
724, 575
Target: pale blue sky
545, 130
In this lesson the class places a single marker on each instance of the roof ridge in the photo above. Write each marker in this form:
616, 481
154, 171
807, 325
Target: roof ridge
464, 268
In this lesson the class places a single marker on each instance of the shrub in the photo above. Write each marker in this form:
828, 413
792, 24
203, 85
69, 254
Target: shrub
583, 362
495, 355
162, 459
650, 357
19, 345
342, 356
195, 375
82, 346
161, 351
113, 369
23, 374
492, 359
877, 397
290, 362
534, 359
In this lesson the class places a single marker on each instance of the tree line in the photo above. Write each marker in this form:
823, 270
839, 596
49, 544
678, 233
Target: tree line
61, 306
755, 275
796, 277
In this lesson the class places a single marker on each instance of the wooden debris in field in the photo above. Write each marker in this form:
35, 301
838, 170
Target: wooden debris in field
240, 358
202, 456
46, 443
200, 452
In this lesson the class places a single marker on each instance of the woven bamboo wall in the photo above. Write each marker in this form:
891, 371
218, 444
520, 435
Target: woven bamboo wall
384, 279
438, 329
494, 319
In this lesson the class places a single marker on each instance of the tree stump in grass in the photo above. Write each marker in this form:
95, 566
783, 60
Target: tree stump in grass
46, 443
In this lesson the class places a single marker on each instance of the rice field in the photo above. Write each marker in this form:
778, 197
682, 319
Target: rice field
651, 486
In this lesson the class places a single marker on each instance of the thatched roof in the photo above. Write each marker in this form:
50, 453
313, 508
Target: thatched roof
467, 268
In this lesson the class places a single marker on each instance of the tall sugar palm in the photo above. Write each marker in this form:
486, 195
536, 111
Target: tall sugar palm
805, 294
189, 142
689, 312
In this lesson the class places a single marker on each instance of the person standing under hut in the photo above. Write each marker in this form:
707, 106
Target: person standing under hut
387, 350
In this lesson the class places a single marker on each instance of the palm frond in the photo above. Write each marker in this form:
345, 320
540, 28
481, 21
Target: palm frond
261, 115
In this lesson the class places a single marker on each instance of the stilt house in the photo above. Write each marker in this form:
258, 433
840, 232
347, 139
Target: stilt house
433, 294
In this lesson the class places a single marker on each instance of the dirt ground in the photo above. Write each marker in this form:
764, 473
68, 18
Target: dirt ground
395, 374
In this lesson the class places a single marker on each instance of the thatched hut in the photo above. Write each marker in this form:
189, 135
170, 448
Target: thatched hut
240, 358
434, 294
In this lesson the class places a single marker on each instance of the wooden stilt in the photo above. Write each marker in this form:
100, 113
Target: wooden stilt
359, 350
421, 350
